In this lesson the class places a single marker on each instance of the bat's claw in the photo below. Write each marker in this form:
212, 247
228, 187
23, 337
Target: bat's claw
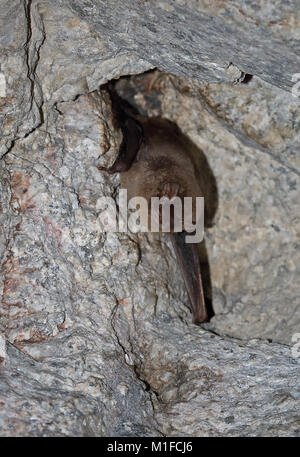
108, 170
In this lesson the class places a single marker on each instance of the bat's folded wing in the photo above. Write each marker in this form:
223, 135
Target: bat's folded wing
187, 255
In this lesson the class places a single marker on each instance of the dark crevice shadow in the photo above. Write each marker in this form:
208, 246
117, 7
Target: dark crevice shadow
206, 279
247, 78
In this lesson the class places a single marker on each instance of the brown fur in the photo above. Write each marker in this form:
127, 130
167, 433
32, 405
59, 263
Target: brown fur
166, 155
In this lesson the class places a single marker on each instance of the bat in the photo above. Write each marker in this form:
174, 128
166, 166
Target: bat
156, 159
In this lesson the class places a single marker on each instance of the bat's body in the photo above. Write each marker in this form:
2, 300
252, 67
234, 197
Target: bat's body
155, 160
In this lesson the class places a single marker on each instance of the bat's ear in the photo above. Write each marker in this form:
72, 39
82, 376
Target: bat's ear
169, 190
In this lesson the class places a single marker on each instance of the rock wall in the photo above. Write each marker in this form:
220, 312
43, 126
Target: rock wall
95, 331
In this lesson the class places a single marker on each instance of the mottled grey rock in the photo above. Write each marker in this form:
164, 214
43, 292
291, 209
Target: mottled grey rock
253, 248
201, 39
60, 49
49, 54
20, 109
204, 385
57, 307
95, 330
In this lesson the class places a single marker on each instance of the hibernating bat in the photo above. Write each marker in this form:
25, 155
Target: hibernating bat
156, 159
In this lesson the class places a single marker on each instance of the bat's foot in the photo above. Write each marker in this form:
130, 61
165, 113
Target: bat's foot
170, 190
118, 167
108, 170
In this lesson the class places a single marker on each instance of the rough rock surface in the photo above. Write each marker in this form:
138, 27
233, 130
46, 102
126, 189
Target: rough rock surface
253, 247
95, 332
